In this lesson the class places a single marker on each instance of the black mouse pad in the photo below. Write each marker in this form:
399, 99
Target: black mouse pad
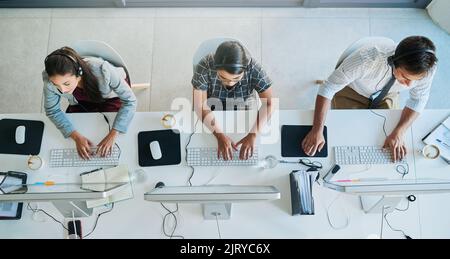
292, 137
169, 142
34, 131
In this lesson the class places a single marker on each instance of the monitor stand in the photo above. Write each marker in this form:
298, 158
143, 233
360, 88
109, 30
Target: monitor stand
216, 211
71, 209
376, 204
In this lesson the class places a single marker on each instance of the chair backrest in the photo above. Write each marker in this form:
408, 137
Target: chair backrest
359, 43
95, 48
207, 47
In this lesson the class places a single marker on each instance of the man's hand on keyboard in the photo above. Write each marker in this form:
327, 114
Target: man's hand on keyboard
396, 144
247, 146
105, 146
84, 145
313, 142
225, 147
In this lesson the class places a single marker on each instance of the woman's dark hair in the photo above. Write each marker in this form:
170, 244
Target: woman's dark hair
67, 61
232, 57
415, 54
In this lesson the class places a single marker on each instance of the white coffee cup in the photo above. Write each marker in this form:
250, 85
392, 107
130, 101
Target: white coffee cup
430, 151
35, 162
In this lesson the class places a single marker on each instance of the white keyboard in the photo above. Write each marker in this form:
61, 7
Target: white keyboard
363, 155
207, 156
70, 158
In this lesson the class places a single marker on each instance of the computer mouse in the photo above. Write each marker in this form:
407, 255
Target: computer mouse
155, 150
20, 134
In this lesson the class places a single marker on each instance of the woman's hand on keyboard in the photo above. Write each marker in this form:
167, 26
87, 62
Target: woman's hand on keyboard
247, 146
105, 146
396, 144
83, 145
225, 147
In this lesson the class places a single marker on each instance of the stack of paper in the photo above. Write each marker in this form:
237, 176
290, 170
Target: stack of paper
440, 137
301, 192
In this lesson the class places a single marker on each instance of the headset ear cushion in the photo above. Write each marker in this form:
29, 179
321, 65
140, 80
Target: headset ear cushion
390, 61
80, 71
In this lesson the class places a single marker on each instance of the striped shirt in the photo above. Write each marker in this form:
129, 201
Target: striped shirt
367, 71
206, 79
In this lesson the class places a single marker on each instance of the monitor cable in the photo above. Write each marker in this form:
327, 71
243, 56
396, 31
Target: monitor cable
172, 213
37, 210
98, 217
410, 198
217, 223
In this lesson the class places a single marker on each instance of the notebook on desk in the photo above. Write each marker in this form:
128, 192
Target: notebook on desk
101, 178
440, 137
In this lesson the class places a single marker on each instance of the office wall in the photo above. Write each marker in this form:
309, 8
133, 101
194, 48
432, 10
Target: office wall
439, 11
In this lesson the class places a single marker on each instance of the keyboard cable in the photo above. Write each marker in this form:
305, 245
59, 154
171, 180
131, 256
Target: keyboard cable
402, 169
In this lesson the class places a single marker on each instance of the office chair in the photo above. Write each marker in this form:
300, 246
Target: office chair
210, 46
95, 48
356, 45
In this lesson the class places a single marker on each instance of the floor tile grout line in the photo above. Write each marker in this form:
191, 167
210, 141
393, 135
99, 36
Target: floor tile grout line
152, 41
48, 49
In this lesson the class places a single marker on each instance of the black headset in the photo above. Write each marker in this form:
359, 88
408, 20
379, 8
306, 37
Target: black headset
396, 56
245, 67
74, 61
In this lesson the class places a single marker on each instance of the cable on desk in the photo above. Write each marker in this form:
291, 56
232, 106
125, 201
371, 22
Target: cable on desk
384, 218
401, 169
384, 122
347, 220
36, 210
98, 217
186, 152
169, 212
218, 228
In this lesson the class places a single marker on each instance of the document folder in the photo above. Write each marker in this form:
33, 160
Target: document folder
302, 201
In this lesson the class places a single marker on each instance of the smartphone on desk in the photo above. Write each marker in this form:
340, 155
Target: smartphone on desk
74, 227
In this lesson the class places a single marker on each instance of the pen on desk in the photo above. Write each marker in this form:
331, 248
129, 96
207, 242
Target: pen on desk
361, 180
46, 183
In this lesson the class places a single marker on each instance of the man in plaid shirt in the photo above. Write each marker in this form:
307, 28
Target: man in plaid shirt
228, 80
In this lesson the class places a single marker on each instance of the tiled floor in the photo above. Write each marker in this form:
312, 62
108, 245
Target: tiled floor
296, 46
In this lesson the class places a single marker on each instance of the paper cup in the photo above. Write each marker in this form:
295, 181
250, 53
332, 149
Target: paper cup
430, 152
35, 162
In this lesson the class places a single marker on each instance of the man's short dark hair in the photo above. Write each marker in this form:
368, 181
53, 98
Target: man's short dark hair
419, 62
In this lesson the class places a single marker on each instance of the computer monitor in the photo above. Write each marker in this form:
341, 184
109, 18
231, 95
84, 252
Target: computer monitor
216, 200
377, 195
69, 199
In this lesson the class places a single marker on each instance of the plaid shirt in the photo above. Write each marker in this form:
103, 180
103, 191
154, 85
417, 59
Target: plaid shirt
206, 79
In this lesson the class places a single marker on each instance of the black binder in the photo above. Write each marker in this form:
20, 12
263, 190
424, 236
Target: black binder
298, 198
292, 136
34, 131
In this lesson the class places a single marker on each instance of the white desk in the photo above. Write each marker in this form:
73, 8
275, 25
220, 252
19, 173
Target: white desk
137, 218
434, 208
